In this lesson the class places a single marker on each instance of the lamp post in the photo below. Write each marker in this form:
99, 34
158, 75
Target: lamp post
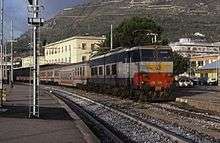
2, 54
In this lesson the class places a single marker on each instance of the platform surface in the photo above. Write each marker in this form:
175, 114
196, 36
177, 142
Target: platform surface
53, 126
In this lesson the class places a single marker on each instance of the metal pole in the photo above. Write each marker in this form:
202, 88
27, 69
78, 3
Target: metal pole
2, 38
12, 38
111, 38
218, 66
35, 62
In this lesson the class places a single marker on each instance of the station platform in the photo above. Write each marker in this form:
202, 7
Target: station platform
54, 125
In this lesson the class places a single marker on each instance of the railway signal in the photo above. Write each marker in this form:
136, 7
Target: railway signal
36, 22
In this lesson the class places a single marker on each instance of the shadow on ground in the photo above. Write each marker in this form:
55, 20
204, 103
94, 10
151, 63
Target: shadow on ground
46, 113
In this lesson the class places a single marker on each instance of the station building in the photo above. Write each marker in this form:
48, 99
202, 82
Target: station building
71, 50
202, 60
211, 70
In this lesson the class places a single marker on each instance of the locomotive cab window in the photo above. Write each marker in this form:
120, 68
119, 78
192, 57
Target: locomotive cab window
147, 55
165, 55
135, 56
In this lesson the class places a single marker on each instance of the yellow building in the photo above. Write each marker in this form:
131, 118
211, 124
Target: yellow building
202, 60
72, 50
210, 71
28, 61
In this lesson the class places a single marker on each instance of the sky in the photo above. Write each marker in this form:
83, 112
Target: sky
16, 11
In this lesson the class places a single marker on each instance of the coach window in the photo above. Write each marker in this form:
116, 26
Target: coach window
100, 71
78, 71
114, 69
70, 76
108, 72
83, 71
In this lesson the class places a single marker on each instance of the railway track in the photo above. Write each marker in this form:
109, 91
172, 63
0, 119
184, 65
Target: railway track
121, 126
187, 113
100, 130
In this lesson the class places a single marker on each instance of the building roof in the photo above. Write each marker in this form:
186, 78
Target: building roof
212, 65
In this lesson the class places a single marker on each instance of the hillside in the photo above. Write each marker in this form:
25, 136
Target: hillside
179, 18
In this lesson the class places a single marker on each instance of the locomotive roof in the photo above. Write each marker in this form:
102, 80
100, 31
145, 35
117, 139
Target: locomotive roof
121, 50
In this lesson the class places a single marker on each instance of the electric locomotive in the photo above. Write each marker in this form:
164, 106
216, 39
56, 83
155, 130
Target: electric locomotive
147, 70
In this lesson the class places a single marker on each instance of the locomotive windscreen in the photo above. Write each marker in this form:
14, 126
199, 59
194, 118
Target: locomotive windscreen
151, 55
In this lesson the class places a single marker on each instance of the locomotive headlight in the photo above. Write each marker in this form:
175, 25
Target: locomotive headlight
159, 82
153, 82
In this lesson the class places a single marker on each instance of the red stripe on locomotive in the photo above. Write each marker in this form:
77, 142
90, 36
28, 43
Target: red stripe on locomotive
157, 81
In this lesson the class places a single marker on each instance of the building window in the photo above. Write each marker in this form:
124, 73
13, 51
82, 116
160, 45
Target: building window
200, 63
65, 48
65, 60
47, 52
83, 58
69, 59
62, 49
83, 46
92, 47
62, 60
193, 63
69, 47
55, 50
52, 51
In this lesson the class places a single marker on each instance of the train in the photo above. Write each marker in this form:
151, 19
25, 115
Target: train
142, 72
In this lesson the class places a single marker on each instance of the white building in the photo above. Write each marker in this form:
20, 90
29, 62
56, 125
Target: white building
188, 47
28, 61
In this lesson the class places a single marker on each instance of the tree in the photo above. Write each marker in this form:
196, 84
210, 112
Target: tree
180, 64
133, 32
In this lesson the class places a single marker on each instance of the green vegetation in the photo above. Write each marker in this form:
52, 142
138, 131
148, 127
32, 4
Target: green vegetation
133, 32
180, 64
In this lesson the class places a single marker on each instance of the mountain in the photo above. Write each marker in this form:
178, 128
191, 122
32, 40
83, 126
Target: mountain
179, 18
